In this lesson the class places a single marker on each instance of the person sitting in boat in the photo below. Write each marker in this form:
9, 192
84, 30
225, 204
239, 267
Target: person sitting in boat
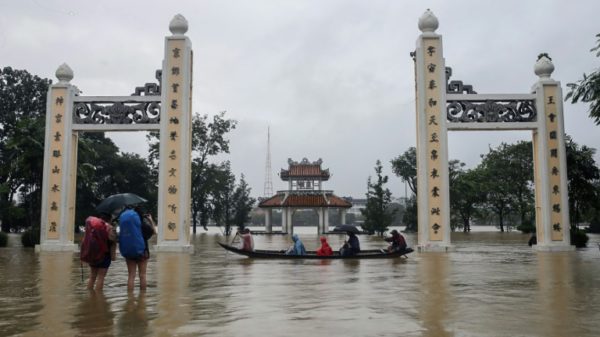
247, 240
397, 242
325, 249
351, 246
297, 248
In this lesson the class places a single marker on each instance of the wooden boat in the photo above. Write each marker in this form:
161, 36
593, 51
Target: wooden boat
280, 254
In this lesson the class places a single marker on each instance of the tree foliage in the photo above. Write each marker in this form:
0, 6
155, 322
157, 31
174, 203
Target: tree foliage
22, 118
465, 197
378, 212
405, 167
223, 201
587, 89
583, 176
507, 180
243, 203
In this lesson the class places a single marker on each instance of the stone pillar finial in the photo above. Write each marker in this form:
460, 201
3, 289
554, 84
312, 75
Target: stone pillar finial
178, 25
64, 73
543, 67
428, 23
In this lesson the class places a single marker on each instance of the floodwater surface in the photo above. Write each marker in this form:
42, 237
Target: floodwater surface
492, 285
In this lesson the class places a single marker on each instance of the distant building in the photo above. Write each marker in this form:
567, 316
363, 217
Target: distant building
305, 181
357, 205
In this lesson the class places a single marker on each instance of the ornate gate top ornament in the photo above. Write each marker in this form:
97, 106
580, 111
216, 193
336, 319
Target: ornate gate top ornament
543, 67
178, 25
428, 23
64, 73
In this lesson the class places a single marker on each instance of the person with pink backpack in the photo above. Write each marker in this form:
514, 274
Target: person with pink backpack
97, 249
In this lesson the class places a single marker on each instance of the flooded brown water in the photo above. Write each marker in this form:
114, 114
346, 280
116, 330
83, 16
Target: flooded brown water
492, 285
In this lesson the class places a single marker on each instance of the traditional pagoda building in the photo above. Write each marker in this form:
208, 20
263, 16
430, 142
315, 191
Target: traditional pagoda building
305, 180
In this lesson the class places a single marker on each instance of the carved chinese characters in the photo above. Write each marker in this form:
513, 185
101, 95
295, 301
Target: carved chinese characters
552, 128
175, 98
55, 182
433, 66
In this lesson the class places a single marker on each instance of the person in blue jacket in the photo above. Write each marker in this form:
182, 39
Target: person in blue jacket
297, 248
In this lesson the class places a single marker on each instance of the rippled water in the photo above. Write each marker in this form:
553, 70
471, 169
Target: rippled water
493, 285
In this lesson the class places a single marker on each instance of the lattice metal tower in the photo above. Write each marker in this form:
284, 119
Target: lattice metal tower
268, 192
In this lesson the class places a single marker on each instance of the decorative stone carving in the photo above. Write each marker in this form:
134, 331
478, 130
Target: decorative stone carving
116, 113
457, 87
64, 73
150, 89
428, 23
491, 111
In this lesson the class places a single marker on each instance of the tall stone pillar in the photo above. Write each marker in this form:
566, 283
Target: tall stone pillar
60, 167
432, 146
342, 216
550, 170
290, 219
284, 218
321, 225
174, 190
325, 227
269, 220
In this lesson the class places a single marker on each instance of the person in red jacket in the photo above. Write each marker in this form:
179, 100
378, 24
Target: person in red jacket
325, 249
397, 242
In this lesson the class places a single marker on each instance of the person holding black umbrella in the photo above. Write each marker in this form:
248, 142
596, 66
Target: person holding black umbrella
351, 246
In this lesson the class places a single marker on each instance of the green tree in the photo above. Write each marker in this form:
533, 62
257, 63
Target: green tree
243, 203
582, 176
378, 212
588, 89
507, 174
466, 195
405, 167
409, 218
22, 117
222, 199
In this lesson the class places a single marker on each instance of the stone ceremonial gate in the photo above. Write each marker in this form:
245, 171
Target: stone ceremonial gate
164, 107
444, 105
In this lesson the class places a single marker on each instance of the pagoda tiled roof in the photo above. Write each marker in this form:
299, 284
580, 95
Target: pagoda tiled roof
304, 169
304, 200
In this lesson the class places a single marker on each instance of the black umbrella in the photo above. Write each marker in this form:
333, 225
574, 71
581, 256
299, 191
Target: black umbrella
117, 201
346, 228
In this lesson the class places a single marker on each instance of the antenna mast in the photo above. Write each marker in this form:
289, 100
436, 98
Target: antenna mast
268, 192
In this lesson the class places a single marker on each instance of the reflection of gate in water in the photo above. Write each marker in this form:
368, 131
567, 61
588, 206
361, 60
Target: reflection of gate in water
444, 105
164, 107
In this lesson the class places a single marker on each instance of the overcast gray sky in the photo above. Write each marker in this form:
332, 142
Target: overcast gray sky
333, 79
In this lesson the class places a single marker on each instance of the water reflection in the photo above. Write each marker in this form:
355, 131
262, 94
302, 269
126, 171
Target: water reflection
555, 279
94, 315
134, 317
434, 300
56, 293
493, 285
173, 278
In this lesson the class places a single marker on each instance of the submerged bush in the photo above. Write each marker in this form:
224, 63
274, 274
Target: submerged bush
526, 228
578, 237
31, 237
3, 239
